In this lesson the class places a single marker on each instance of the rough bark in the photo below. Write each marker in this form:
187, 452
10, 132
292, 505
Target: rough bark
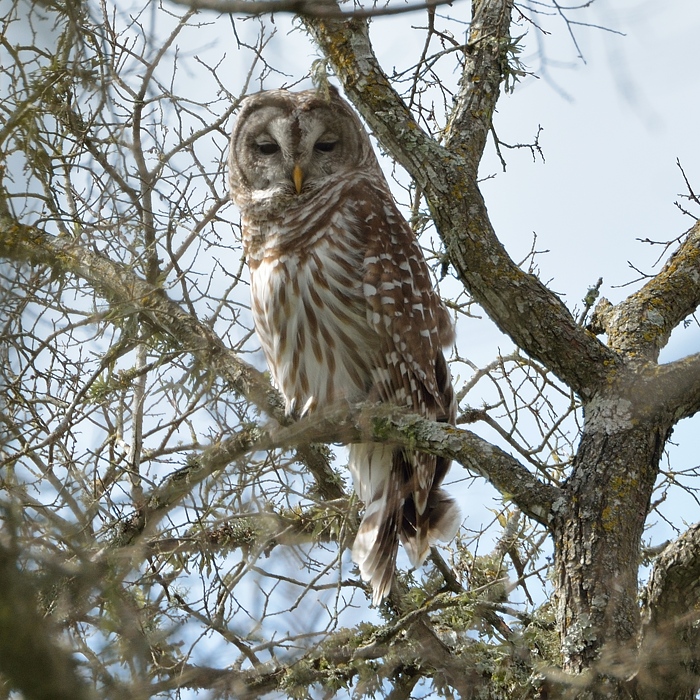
669, 663
597, 538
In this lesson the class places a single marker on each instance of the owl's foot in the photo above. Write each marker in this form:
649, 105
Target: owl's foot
293, 412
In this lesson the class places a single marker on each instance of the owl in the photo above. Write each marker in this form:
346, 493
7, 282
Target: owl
344, 305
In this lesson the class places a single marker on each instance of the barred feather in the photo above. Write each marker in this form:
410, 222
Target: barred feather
345, 310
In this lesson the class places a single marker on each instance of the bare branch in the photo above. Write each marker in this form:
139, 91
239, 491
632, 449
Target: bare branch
267, 529
485, 69
406, 643
306, 8
130, 295
642, 324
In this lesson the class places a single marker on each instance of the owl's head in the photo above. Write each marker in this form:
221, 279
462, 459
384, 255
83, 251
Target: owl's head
285, 146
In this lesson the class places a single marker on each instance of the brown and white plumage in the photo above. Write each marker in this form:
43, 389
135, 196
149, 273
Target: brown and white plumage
344, 305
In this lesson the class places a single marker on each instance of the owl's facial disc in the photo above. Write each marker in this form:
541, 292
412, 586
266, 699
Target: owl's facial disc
289, 149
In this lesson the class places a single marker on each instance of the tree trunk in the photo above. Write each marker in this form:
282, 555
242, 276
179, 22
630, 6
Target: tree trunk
597, 533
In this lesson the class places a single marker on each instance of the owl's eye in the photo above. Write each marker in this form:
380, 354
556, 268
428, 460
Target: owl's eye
325, 146
267, 149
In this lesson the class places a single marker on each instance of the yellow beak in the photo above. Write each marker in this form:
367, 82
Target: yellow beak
298, 178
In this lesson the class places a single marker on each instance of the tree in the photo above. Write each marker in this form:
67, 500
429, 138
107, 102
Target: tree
166, 530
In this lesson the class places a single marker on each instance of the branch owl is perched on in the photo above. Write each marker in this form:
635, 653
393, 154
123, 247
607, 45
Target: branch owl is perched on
344, 305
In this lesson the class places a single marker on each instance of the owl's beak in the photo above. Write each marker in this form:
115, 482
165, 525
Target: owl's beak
298, 178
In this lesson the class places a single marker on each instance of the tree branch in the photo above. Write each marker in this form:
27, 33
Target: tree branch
670, 649
675, 388
403, 643
368, 423
534, 317
485, 63
475, 454
264, 529
305, 8
128, 294
642, 324
673, 589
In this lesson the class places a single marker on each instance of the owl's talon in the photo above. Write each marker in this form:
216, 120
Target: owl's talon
308, 407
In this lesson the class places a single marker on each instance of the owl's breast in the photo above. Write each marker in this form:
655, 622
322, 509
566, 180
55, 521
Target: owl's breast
311, 316
298, 224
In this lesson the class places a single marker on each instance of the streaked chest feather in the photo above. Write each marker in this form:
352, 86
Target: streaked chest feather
311, 316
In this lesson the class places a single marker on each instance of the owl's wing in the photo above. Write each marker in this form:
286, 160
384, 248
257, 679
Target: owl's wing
407, 314
410, 371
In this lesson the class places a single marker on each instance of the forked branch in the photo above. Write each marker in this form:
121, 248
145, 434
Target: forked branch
642, 324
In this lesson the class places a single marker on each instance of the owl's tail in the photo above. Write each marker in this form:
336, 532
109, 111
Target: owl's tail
420, 531
392, 514
377, 541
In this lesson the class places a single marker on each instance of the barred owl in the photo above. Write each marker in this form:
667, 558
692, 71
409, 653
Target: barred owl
344, 306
